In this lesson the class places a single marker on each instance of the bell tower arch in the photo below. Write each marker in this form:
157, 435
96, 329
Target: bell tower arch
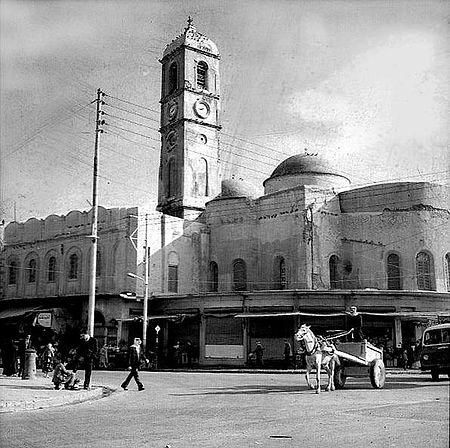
190, 106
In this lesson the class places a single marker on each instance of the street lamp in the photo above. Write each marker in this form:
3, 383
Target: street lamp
144, 320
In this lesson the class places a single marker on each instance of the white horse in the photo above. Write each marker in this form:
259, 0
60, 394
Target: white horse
319, 354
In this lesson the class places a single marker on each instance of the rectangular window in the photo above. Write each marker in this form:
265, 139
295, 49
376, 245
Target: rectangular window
173, 279
223, 331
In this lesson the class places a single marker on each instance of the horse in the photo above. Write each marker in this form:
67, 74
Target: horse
319, 354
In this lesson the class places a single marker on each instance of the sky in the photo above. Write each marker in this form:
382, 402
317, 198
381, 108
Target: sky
362, 83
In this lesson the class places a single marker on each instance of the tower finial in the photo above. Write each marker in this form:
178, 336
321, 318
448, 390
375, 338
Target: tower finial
190, 20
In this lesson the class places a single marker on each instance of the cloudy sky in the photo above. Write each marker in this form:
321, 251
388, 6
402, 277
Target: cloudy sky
362, 83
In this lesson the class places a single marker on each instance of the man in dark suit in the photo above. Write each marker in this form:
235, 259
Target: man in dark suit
355, 323
87, 351
136, 358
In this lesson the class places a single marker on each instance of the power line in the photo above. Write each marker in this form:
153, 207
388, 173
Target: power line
133, 104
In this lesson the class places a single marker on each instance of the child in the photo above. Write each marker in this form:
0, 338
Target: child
63, 376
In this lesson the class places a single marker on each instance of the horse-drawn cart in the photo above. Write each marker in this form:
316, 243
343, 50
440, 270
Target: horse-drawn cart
359, 359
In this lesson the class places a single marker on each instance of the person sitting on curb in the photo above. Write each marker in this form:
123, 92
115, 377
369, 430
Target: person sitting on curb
62, 376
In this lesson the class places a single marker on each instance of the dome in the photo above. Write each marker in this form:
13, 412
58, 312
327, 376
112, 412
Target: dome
192, 38
302, 164
232, 188
303, 169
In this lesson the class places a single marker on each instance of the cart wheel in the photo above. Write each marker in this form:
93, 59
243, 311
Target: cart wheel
377, 374
339, 377
435, 375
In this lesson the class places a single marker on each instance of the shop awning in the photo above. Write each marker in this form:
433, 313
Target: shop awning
17, 312
293, 313
162, 316
405, 314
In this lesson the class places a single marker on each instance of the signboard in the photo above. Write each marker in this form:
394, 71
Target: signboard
224, 351
44, 319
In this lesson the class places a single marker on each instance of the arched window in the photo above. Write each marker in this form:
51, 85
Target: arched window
172, 178
447, 267
239, 275
394, 280
424, 272
213, 280
12, 273
51, 273
73, 267
173, 77
279, 273
334, 273
32, 271
202, 75
202, 176
99, 264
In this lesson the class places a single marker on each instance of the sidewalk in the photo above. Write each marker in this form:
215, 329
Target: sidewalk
21, 395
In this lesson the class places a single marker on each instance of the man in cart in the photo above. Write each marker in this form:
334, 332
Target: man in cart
354, 324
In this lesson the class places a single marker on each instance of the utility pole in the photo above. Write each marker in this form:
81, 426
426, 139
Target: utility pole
312, 245
94, 231
146, 267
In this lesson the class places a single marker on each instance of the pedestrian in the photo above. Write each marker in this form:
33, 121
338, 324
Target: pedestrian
103, 357
48, 357
177, 353
62, 376
259, 351
354, 324
136, 358
9, 354
86, 353
24, 344
405, 359
189, 352
287, 354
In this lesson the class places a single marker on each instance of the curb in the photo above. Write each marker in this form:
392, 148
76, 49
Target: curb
63, 399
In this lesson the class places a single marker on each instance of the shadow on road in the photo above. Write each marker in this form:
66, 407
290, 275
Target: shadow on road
301, 388
27, 386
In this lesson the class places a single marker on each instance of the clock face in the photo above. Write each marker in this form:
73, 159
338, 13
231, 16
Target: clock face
172, 110
201, 108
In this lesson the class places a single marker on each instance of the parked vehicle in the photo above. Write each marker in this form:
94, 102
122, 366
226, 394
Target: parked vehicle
435, 354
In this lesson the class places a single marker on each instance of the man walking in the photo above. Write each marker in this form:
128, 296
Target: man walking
87, 350
136, 358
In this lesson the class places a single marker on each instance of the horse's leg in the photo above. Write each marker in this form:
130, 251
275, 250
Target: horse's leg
308, 371
332, 369
318, 366
327, 370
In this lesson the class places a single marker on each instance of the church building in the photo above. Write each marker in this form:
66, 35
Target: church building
237, 267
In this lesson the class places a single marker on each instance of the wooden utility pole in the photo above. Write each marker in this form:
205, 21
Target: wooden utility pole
94, 231
146, 267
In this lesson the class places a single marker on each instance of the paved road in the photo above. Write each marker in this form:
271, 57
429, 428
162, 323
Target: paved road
233, 410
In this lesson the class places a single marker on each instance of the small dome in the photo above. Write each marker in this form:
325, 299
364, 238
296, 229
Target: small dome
304, 169
192, 38
232, 188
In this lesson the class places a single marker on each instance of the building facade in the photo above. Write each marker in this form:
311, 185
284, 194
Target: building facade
46, 274
229, 266
240, 267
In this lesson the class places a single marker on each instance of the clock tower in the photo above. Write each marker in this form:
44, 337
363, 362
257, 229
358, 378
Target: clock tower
189, 161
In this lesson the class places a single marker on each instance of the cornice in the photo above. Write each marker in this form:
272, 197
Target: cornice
169, 126
179, 49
